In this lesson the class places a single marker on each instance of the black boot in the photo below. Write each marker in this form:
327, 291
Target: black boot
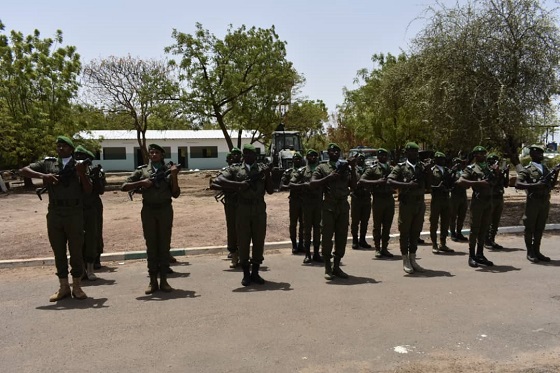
246, 275
300, 247
97, 263
307, 259
317, 254
355, 243
255, 275
363, 243
336, 269
153, 285
294, 247
328, 270
163, 284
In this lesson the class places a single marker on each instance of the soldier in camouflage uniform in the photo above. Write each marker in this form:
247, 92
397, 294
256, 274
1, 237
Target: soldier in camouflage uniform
439, 206
360, 208
538, 181
296, 205
312, 204
411, 178
480, 177
92, 230
159, 184
383, 206
335, 177
497, 203
251, 180
66, 182
458, 203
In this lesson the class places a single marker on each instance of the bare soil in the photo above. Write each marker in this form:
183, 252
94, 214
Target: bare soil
198, 220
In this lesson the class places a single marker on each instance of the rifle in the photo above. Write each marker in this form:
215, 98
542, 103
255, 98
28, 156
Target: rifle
63, 176
155, 177
550, 178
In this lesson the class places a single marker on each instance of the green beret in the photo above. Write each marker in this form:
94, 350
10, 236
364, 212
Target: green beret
297, 155
536, 147
249, 147
439, 155
65, 140
156, 147
235, 150
312, 151
478, 149
411, 145
332, 145
493, 156
382, 150
81, 149
228, 155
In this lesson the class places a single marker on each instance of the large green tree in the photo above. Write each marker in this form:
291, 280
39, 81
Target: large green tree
144, 94
489, 72
38, 80
238, 82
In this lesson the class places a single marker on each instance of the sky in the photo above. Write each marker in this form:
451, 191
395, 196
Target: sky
327, 41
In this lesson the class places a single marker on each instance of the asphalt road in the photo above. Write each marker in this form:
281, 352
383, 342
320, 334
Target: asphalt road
451, 319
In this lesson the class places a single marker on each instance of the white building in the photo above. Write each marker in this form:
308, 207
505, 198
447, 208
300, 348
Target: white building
204, 149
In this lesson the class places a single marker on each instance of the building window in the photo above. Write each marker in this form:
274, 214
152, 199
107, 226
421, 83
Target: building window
204, 152
114, 153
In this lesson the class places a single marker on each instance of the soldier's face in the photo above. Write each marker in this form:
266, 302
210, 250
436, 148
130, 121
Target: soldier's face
334, 154
311, 158
412, 154
440, 161
536, 156
382, 157
249, 157
360, 161
236, 157
156, 155
297, 161
63, 150
480, 156
80, 156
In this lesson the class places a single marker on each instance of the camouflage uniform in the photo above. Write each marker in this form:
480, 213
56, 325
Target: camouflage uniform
457, 206
295, 212
360, 211
439, 207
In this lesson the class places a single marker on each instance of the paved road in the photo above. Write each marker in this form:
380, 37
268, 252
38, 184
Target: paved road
452, 319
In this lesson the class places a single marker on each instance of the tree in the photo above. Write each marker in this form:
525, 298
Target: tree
144, 91
38, 80
238, 82
489, 72
308, 117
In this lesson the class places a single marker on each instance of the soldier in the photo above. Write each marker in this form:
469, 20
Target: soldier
497, 202
360, 208
439, 206
383, 206
538, 181
457, 203
159, 184
335, 177
296, 205
251, 180
91, 212
66, 182
312, 204
480, 178
230, 204
411, 178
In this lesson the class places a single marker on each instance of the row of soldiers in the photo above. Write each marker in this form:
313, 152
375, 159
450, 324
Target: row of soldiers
323, 189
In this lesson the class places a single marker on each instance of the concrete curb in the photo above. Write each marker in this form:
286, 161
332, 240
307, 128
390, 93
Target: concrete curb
135, 255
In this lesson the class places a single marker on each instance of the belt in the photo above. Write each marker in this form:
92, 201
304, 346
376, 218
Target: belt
155, 205
250, 201
65, 202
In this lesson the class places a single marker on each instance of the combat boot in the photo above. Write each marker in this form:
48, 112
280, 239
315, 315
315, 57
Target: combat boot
444, 248
153, 285
407, 266
89, 272
413, 264
336, 269
317, 255
363, 243
234, 259
300, 247
77, 291
453, 236
62, 292
385, 251
255, 277
435, 249
307, 259
541, 257
461, 238
328, 270
97, 264
163, 284
246, 275
355, 243
294, 247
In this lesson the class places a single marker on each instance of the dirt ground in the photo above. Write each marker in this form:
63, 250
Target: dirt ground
199, 219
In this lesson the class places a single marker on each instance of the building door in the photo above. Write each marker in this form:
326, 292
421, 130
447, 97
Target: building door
183, 156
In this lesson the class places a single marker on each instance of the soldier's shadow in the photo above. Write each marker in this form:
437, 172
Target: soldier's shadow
506, 249
99, 282
178, 274
353, 280
180, 264
552, 263
107, 269
431, 273
162, 296
70, 303
497, 269
267, 286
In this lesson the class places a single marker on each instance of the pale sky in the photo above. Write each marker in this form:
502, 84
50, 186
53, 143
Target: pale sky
328, 41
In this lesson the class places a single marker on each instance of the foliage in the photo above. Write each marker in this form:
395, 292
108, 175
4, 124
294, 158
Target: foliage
142, 93
238, 82
38, 79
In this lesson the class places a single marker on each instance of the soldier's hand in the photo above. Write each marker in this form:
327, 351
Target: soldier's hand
81, 168
413, 185
146, 183
173, 170
50, 179
243, 185
334, 175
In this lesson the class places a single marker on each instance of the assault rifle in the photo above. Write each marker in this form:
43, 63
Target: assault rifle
155, 177
63, 176
550, 178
